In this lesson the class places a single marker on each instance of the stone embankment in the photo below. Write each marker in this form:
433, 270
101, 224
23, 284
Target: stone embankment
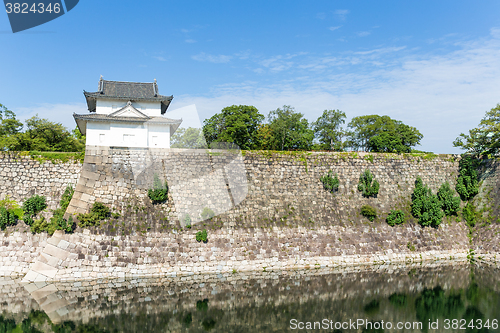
275, 215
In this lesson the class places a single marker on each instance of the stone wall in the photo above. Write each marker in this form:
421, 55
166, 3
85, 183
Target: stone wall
21, 177
256, 187
274, 215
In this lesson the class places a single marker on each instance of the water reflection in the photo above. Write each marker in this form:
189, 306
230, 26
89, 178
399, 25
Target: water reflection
263, 302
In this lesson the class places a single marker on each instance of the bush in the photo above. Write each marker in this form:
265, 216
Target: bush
98, 212
467, 182
57, 221
187, 221
449, 203
32, 206
368, 185
159, 193
10, 212
331, 184
425, 206
39, 226
470, 214
395, 217
207, 213
7, 218
201, 236
369, 212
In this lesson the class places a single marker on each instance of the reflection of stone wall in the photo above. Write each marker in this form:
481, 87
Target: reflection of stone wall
255, 302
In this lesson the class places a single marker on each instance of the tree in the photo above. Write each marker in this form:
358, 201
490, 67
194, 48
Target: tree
44, 135
289, 130
382, 134
9, 124
484, 139
328, 129
236, 124
191, 138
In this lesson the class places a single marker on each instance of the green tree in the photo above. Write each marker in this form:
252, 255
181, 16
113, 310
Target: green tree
236, 124
382, 134
289, 130
9, 127
328, 129
484, 139
44, 135
191, 138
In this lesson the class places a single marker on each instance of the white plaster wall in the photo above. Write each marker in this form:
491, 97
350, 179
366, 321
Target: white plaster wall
109, 106
159, 136
95, 132
128, 135
117, 135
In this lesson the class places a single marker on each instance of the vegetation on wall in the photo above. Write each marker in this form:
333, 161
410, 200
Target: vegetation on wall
426, 206
202, 236
32, 206
98, 213
368, 185
159, 192
330, 182
10, 212
369, 212
468, 181
450, 204
207, 213
395, 217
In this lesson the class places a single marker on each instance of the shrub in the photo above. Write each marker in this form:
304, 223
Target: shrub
470, 214
159, 193
395, 217
7, 218
201, 236
369, 212
425, 206
207, 213
32, 206
368, 185
57, 221
97, 213
331, 184
467, 182
449, 203
187, 221
10, 212
39, 226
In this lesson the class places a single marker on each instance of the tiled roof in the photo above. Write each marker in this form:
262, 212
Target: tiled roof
130, 91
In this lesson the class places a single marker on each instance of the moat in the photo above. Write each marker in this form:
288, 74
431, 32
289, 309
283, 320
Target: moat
428, 297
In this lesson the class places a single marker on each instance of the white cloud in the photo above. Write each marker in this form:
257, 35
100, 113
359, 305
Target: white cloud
363, 33
217, 59
442, 95
341, 13
60, 113
334, 28
190, 41
160, 58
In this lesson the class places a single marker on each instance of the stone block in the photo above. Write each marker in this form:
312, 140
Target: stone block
41, 268
57, 251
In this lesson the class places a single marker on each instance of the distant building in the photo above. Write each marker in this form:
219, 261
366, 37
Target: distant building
127, 114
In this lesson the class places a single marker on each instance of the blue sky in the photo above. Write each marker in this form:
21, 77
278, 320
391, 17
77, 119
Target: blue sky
434, 65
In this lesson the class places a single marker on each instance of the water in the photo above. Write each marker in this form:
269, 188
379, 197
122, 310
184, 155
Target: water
265, 302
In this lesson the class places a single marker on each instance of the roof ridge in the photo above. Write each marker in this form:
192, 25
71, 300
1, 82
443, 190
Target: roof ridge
127, 82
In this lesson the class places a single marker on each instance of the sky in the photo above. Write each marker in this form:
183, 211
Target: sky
434, 65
